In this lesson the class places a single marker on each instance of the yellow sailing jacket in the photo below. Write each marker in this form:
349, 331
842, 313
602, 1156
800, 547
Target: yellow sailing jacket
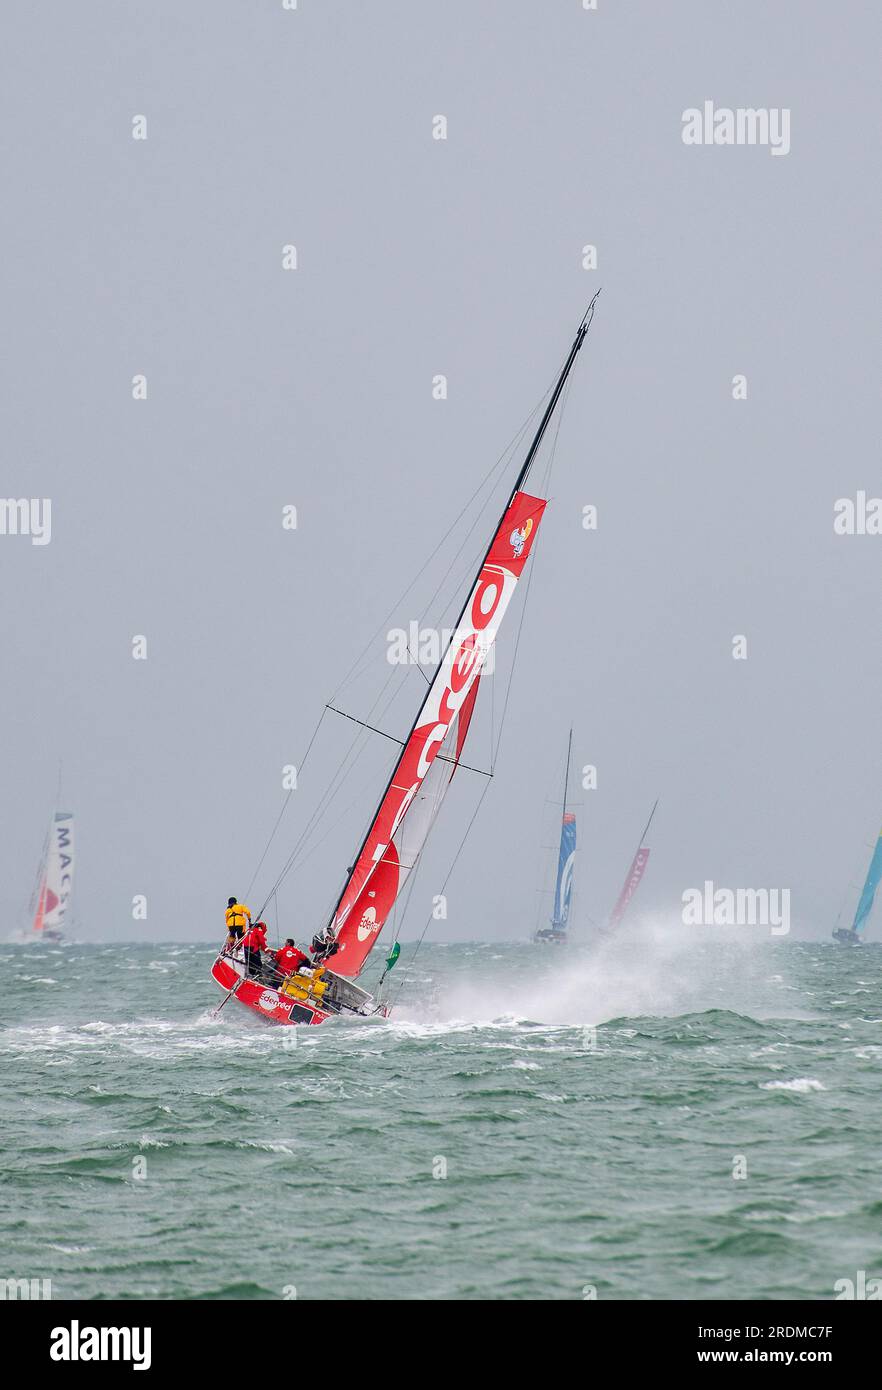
238, 916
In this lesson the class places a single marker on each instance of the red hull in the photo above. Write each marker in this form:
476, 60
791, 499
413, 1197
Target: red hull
267, 1003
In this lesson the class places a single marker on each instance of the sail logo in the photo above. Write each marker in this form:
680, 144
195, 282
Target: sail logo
860, 516
737, 907
27, 516
63, 843
860, 1288
519, 537
77, 1343
745, 125
368, 924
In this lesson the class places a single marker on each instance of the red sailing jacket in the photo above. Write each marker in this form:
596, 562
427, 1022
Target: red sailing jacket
289, 959
256, 937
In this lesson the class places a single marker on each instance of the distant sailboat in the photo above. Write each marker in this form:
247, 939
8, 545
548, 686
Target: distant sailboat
556, 932
635, 874
850, 936
54, 879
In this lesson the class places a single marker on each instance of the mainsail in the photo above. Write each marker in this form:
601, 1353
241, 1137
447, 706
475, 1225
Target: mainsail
433, 747
56, 877
566, 862
413, 796
634, 875
871, 883
566, 859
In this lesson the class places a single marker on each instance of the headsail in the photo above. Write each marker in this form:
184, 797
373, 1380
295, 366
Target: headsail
635, 874
871, 883
420, 777
56, 884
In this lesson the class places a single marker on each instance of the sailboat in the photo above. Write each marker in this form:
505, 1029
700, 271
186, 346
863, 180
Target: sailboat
850, 936
633, 877
419, 779
556, 932
54, 885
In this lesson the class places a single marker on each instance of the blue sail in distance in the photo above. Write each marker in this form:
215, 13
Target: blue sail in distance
563, 888
874, 873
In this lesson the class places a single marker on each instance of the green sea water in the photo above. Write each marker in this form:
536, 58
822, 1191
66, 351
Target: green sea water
530, 1123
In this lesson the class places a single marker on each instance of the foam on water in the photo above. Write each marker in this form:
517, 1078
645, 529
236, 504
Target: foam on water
587, 1106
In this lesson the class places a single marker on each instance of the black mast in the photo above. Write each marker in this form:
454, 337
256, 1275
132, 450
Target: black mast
549, 409
519, 483
567, 777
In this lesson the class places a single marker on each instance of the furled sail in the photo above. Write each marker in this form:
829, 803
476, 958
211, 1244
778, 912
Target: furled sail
56, 884
871, 883
420, 777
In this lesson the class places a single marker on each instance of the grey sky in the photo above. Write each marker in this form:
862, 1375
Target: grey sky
313, 387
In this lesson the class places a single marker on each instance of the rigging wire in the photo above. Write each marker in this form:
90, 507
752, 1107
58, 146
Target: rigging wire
500, 461
495, 467
331, 791
429, 919
291, 790
545, 485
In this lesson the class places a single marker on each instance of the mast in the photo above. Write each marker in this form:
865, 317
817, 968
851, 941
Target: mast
563, 814
519, 483
549, 410
648, 824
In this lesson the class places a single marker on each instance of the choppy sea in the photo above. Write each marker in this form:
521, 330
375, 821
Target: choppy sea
660, 1118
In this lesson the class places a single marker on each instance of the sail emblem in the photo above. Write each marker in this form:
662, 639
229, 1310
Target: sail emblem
519, 537
368, 924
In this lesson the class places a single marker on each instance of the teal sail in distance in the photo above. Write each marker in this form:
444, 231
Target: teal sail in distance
871, 883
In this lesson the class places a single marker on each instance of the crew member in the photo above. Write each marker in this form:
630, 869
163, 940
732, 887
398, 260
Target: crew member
238, 918
254, 942
289, 958
323, 947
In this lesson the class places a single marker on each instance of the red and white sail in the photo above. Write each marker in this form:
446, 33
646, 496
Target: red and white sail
631, 884
635, 874
56, 880
421, 777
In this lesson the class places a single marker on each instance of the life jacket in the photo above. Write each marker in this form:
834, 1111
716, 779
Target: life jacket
255, 938
238, 916
289, 959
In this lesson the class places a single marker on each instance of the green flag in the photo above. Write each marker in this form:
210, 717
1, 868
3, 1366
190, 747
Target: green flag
393, 956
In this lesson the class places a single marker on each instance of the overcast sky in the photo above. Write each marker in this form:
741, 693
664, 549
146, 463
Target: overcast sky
313, 387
